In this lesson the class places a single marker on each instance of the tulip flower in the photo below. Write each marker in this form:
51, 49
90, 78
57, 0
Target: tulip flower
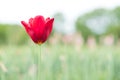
39, 28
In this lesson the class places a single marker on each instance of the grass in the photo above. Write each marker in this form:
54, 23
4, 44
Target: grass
60, 62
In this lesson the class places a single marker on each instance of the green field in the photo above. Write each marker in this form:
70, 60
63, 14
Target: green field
59, 62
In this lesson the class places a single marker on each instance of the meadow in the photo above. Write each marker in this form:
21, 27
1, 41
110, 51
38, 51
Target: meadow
86, 49
60, 62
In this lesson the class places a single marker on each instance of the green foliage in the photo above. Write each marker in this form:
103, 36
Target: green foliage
3, 34
59, 17
117, 12
115, 30
12, 34
59, 22
114, 27
83, 29
60, 62
99, 22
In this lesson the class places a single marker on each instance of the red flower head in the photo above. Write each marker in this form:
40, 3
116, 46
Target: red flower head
39, 28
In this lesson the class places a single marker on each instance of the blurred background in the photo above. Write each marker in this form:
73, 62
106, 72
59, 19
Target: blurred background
84, 44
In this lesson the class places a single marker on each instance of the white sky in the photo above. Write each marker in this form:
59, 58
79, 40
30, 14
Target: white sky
13, 11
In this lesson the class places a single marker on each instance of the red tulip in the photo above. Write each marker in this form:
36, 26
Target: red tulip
39, 28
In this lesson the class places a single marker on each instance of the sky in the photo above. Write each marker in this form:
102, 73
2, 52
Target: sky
13, 11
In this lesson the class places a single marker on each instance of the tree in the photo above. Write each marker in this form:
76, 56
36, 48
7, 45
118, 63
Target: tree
59, 22
92, 23
114, 27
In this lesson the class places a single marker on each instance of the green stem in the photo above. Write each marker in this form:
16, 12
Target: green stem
33, 53
39, 64
0, 74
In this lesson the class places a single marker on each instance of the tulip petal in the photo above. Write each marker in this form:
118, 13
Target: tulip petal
47, 19
49, 25
38, 22
30, 32
38, 25
25, 25
33, 36
31, 22
47, 30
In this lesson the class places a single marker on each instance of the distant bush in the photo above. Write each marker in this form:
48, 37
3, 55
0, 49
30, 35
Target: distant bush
12, 34
3, 35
